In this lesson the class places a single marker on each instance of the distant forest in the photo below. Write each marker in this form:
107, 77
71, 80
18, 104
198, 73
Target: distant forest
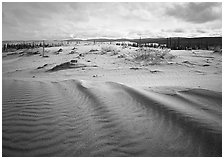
174, 43
189, 43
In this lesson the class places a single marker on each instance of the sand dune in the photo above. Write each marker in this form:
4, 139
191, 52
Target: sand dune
154, 105
82, 118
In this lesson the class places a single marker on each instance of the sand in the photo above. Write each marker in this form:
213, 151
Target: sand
93, 102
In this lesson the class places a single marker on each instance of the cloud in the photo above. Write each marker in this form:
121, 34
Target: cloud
37, 20
196, 12
175, 30
201, 31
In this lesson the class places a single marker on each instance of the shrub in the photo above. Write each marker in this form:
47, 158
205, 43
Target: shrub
153, 56
109, 49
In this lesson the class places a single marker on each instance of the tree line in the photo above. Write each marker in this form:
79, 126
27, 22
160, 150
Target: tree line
16, 46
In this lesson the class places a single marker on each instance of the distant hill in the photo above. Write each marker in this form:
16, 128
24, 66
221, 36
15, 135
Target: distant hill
74, 40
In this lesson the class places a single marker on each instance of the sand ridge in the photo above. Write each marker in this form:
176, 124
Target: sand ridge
78, 118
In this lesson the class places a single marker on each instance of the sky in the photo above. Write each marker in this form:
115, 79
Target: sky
72, 20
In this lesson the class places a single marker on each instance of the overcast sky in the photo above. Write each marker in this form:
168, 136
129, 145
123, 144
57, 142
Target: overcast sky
36, 21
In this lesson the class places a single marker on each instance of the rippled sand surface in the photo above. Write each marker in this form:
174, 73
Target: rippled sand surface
79, 118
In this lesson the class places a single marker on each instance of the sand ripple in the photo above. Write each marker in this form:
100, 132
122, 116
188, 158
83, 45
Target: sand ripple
77, 118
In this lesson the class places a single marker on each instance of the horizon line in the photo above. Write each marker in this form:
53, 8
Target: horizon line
83, 39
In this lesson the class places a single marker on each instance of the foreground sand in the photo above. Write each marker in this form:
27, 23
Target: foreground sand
110, 106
